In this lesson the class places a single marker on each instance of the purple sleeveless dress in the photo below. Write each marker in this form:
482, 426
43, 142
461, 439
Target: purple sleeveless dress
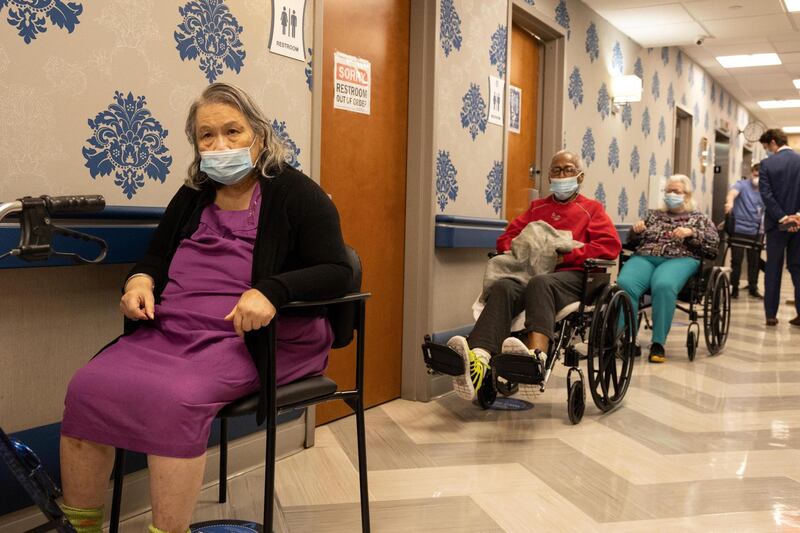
157, 390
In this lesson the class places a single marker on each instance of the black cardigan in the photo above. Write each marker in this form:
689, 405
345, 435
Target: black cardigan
299, 252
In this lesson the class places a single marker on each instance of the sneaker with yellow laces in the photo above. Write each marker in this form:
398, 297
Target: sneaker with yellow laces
475, 367
513, 345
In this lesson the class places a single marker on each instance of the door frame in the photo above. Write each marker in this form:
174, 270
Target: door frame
417, 384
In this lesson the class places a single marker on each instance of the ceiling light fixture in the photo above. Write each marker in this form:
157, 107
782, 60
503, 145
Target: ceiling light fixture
796, 83
792, 5
791, 129
778, 104
749, 60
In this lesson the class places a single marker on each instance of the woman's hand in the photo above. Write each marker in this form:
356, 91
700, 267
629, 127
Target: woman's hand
682, 233
253, 311
138, 302
639, 227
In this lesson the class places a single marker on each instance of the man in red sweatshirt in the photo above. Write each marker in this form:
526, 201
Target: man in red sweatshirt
544, 295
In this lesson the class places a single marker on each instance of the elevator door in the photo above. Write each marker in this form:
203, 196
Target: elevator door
721, 181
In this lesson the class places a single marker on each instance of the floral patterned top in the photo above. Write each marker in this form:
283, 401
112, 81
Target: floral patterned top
656, 239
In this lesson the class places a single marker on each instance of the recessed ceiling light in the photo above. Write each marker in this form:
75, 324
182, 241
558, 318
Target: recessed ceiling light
791, 129
778, 104
749, 60
796, 83
792, 5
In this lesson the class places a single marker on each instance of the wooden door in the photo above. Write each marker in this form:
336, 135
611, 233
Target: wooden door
524, 73
363, 167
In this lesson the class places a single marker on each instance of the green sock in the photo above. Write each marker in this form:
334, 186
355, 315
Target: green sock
154, 529
84, 520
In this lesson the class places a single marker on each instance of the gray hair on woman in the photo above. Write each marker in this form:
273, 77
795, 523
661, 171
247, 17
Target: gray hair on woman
272, 156
688, 201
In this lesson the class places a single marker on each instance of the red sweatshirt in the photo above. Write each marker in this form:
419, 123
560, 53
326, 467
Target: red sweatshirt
585, 218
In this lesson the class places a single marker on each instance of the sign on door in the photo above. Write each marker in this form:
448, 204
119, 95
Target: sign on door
352, 83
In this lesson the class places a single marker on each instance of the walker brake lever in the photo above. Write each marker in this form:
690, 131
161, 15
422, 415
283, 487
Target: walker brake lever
37, 230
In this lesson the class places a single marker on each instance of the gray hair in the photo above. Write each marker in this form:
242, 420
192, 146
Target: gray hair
575, 157
272, 156
688, 201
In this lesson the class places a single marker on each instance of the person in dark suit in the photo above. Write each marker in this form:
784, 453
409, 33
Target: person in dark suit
779, 183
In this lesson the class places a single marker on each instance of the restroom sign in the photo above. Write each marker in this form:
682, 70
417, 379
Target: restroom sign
352, 83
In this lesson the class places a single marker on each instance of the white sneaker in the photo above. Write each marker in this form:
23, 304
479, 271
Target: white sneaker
467, 384
513, 345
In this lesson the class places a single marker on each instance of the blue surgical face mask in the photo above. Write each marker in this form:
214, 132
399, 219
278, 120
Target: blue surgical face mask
674, 200
564, 188
227, 166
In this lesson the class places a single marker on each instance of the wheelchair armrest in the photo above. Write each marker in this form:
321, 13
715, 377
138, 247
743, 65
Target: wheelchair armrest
352, 297
599, 263
709, 255
628, 247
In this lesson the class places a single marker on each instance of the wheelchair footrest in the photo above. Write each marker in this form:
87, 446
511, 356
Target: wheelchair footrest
518, 368
442, 359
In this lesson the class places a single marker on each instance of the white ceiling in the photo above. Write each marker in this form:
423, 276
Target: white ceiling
730, 27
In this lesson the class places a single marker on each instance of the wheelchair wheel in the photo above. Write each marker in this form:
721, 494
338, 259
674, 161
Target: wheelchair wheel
717, 312
691, 344
576, 402
487, 394
506, 388
612, 344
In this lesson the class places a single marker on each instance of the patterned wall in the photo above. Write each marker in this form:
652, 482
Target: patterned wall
95, 94
622, 150
472, 40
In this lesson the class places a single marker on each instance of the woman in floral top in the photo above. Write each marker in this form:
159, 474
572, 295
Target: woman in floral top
670, 243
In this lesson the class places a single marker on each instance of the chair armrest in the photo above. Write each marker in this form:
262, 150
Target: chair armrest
599, 263
352, 297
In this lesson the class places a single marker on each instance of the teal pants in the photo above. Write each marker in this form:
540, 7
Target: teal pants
665, 277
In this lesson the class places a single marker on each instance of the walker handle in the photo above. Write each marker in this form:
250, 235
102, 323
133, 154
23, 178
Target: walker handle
67, 205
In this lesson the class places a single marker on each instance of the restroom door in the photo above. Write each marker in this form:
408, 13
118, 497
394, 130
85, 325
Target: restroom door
522, 163
363, 167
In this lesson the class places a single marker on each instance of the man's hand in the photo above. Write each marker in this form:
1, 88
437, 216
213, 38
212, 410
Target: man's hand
253, 311
682, 233
639, 227
728, 207
138, 302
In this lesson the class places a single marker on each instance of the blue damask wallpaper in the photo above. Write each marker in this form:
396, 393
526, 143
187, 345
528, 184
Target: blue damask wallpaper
626, 149
103, 84
128, 142
32, 17
210, 34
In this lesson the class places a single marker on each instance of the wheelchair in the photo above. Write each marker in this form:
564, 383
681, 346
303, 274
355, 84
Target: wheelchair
595, 321
36, 244
710, 289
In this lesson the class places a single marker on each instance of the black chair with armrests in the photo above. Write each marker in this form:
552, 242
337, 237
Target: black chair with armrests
346, 315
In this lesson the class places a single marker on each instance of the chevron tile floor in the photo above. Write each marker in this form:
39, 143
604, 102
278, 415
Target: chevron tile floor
709, 445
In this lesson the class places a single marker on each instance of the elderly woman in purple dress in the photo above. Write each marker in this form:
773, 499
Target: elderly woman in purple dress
244, 235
